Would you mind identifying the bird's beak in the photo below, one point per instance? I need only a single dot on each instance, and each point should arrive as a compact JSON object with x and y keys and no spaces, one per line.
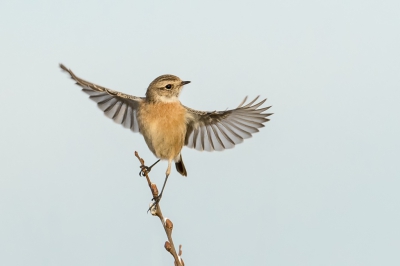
{"x":185,"y":82}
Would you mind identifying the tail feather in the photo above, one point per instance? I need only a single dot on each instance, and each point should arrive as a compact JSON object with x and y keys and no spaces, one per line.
{"x":180,"y":167}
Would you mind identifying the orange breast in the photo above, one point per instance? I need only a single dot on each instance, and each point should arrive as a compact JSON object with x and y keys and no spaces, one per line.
{"x":163,"y":126}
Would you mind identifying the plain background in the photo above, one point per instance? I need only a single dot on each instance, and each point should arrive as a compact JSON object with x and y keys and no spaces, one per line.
{"x":319,"y":185}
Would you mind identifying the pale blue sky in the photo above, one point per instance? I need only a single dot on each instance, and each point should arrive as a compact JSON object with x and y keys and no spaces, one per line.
{"x":319,"y":185}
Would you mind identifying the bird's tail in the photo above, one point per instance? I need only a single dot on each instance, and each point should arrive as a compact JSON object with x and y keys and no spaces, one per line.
{"x":180,"y":167}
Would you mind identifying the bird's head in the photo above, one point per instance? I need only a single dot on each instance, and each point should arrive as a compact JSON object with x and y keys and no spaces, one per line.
{"x":165,"y":88}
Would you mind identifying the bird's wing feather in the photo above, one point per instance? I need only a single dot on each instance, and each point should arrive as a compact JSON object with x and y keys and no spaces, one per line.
{"x":120,"y":107}
{"x":221,"y":130}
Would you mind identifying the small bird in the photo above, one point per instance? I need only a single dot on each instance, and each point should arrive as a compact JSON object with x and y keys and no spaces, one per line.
{"x":167,"y":125}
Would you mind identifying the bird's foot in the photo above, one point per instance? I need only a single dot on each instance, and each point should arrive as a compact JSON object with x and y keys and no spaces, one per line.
{"x":144,"y":168}
{"x":155,"y":203}
{"x":147,"y":168}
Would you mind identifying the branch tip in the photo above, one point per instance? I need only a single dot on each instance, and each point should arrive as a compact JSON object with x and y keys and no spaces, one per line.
{"x":180,"y":250}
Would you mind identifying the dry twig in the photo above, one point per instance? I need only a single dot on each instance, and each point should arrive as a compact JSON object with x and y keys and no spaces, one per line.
{"x":167,"y":224}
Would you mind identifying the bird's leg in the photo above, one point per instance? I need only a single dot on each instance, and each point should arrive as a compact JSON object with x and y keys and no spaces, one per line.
{"x":148,"y":169}
{"x":158,"y":198}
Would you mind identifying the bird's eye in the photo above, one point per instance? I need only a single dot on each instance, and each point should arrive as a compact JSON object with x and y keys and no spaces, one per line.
{"x":168,"y":87}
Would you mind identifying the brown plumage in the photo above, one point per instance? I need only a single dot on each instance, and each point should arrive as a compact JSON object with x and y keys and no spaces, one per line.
{"x":167,"y":125}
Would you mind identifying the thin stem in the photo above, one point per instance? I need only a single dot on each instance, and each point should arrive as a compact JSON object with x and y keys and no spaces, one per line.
{"x":167,"y":224}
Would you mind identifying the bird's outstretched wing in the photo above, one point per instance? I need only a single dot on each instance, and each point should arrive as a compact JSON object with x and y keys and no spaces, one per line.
{"x":221,"y":130}
{"x":120,"y":107}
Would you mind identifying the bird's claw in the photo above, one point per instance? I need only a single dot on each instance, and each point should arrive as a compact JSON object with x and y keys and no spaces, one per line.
{"x":155,"y":203}
{"x":144,"y":168}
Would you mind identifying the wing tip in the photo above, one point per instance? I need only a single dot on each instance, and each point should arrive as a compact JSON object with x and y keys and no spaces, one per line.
{"x":63,"y":67}
{"x":244,"y":100}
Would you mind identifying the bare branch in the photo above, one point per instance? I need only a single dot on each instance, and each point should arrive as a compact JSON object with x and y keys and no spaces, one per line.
{"x":167,"y":223}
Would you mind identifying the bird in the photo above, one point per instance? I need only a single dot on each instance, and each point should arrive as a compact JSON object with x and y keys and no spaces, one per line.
{"x":167,"y":125}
